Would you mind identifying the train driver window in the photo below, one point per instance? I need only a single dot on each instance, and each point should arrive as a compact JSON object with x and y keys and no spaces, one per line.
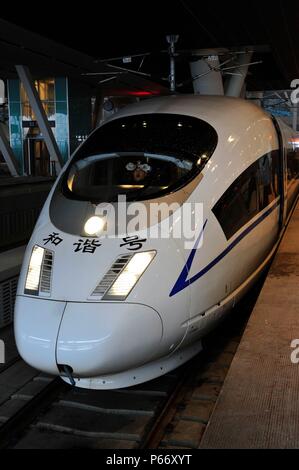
{"x":141,"y":157}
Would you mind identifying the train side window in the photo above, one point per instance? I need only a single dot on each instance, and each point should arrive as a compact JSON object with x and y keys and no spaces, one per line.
{"x":239,"y":203}
{"x":268,"y":178}
{"x":275,"y":169}
{"x":293,"y":162}
{"x":250,"y":193}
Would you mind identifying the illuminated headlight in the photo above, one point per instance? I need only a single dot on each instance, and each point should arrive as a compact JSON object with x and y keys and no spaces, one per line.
{"x":94,"y":225}
{"x":39,"y":271}
{"x":129,"y":276}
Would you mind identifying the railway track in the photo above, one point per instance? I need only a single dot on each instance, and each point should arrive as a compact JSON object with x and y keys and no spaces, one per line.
{"x":37,"y":411}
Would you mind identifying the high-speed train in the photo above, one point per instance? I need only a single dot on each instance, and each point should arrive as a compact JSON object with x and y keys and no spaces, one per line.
{"x":107,"y":312}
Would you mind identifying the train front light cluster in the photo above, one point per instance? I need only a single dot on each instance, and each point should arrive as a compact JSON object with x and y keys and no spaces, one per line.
{"x":130,"y":273}
{"x":127,"y":279}
{"x":39,"y":272}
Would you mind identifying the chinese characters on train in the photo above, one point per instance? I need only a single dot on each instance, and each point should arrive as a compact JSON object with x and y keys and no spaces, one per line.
{"x":53,"y":238}
{"x":87,"y":246}
{"x":131,"y":243}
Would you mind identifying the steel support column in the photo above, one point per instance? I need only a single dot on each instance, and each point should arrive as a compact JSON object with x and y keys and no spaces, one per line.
{"x":294,"y":117}
{"x":8,"y":154}
{"x":236,"y":82}
{"x":209,"y":81}
{"x":2,"y":92}
{"x":41,"y":117}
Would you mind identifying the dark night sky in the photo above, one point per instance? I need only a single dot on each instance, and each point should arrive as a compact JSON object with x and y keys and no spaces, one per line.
{"x":136,"y":25}
{"x":103,"y":29}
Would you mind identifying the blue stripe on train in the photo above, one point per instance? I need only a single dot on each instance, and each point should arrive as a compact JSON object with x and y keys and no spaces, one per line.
{"x":182,"y":281}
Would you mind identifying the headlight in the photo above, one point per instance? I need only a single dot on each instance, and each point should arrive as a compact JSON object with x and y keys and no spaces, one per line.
{"x":123,"y":275}
{"x":94,"y":225}
{"x":39,"y":271}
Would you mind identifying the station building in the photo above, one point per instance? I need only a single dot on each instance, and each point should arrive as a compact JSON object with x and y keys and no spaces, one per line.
{"x":68,"y":107}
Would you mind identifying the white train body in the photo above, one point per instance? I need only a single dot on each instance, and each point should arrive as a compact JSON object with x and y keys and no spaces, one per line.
{"x":182,"y":294}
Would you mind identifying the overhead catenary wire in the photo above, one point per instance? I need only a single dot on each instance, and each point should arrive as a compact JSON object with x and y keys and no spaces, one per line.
{"x":219,"y":69}
{"x":195,"y":17}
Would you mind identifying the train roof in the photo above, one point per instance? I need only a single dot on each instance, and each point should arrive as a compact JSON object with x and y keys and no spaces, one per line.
{"x":219,"y":111}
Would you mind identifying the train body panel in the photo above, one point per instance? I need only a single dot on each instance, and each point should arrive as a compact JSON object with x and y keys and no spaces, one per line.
{"x":89,"y":333}
{"x":242,"y":175}
{"x":36,"y":339}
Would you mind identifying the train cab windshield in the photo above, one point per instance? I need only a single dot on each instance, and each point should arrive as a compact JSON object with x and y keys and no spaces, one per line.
{"x":141,"y":157}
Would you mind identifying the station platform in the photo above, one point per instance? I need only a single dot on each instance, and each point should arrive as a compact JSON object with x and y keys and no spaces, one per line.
{"x":21,"y":200}
{"x":259,"y":403}
{"x":10,"y":262}
{"x":10,"y":266}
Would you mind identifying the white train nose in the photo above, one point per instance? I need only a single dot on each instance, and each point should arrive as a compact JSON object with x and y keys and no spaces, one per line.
{"x":36,"y":325}
{"x":104,"y":338}
{"x":92,"y":338}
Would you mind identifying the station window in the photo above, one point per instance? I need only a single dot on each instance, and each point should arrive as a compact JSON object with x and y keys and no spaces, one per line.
{"x":45,"y":89}
{"x":251,"y":192}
